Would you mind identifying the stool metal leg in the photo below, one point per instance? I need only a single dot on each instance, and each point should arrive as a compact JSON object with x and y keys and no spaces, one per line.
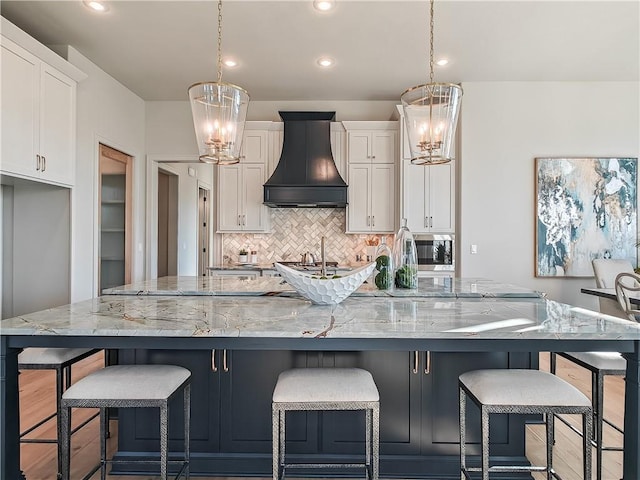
{"x":485,"y":442}
{"x":275,"y":436}
{"x":549,"y":425}
{"x":164,"y":447}
{"x":376,"y":441}
{"x":187,"y":429}
{"x":103,"y":443}
{"x":283,"y":442}
{"x":61,"y":424}
{"x":368,"y":435}
{"x":598,"y":420}
{"x":587,"y":426}
{"x":463,"y":434}
{"x":65,"y":435}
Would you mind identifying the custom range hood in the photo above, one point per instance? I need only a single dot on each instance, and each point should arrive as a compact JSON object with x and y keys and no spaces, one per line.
{"x":306,"y":175}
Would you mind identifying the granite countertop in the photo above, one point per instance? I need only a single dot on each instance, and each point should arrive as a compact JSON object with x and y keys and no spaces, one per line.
{"x":375,"y":318}
{"x":232,"y":286}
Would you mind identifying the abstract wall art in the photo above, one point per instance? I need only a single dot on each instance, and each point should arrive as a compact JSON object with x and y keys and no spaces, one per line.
{"x":586,"y":208}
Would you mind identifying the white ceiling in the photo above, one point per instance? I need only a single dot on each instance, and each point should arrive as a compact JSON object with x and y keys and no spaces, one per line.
{"x":158,"y":48}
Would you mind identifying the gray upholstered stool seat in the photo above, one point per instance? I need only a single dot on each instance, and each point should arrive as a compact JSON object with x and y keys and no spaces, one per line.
{"x":610,"y":363}
{"x":60,"y":360}
{"x":521,"y":391}
{"x":130,"y":386}
{"x":326,"y":389}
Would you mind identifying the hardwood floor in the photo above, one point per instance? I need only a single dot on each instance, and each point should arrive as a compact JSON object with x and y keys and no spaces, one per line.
{"x":37,"y":394}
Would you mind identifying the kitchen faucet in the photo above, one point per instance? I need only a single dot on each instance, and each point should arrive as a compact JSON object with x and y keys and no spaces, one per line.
{"x":323,"y":265}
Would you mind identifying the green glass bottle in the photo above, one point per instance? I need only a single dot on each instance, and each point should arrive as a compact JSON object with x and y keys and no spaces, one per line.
{"x":384,"y":272}
{"x":406,"y":258}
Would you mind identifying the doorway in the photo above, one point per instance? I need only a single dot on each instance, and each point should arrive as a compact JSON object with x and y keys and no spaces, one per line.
{"x":203,"y":231}
{"x":167,"y":223}
{"x":115,"y":199}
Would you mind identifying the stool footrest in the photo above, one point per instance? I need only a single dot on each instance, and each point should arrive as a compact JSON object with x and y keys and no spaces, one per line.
{"x":323,"y":465}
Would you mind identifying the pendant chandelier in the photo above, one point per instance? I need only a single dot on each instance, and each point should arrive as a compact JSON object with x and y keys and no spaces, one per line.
{"x":219,"y":112}
{"x":430,"y":115}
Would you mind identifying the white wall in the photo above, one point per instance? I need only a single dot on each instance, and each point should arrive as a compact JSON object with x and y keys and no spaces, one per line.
{"x":504,"y":126}
{"x":170,"y":126}
{"x":111,"y":114}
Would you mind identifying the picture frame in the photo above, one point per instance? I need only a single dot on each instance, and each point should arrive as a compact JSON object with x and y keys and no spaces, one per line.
{"x":585,"y":208}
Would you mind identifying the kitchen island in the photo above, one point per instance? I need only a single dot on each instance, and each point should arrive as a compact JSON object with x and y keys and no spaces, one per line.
{"x":243,"y":341}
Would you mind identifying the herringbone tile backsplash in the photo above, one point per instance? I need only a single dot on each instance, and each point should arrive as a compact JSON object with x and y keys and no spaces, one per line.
{"x":295,"y":231}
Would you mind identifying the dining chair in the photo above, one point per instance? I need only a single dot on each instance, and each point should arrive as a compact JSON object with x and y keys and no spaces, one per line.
{"x":628,"y":286}
{"x":601,"y":364}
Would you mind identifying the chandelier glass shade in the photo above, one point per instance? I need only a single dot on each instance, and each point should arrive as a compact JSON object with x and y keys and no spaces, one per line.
{"x":219,"y":113}
{"x":431,"y":115}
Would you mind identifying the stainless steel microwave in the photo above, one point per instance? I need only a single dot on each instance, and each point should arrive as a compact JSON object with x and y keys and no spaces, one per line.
{"x":435,"y":252}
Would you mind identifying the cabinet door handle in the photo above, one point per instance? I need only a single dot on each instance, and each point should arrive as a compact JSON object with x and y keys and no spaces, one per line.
{"x":373,"y":220}
{"x":427,"y":368}
{"x":431,"y":222}
{"x":373,"y":157}
{"x":426,"y":222}
{"x":244,"y":219}
{"x":225,"y":366}
{"x":368,"y":221}
{"x":214,"y":367}
{"x":44,"y":163}
{"x":38,"y":163}
{"x":416,"y":362}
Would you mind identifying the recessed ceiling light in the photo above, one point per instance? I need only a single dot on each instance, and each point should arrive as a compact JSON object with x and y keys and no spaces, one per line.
{"x":325,"y":62}
{"x":230,"y":63}
{"x":442,"y":62}
{"x":96,"y":6}
{"x":323,"y":5}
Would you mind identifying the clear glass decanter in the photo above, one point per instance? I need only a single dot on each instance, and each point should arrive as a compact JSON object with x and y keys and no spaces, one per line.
{"x":406,"y":258}
{"x":384,"y":272}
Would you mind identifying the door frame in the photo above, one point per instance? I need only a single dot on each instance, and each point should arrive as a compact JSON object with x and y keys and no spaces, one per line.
{"x":95,"y":258}
{"x":155,"y":162}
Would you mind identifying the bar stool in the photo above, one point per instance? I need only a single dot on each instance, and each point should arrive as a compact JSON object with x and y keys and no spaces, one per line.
{"x":129,"y":386}
{"x":326,"y":389}
{"x":60,"y":360}
{"x":522,"y":392}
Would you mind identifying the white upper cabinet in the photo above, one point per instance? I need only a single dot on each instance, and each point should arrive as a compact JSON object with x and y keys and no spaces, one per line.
{"x":240,"y":186}
{"x":255,"y":147}
{"x":372,"y":146}
{"x":39,"y":116}
{"x":428,"y":197}
{"x":371,"y":157}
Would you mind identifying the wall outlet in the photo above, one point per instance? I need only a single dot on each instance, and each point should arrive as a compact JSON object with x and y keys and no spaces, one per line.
{"x":474,"y":249}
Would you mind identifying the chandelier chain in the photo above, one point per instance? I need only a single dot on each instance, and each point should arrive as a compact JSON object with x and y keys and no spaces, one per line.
{"x":219,"y":65}
{"x":431,"y":42}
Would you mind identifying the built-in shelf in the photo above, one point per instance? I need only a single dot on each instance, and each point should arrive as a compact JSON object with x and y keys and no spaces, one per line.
{"x":112,"y":230}
{"x":113,"y":202}
{"x":112,"y":259}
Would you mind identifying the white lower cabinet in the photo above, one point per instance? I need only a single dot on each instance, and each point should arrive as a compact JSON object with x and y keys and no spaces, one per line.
{"x":240,"y":197}
{"x":371,"y":205}
{"x":428,"y":197}
{"x":39,"y":109}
